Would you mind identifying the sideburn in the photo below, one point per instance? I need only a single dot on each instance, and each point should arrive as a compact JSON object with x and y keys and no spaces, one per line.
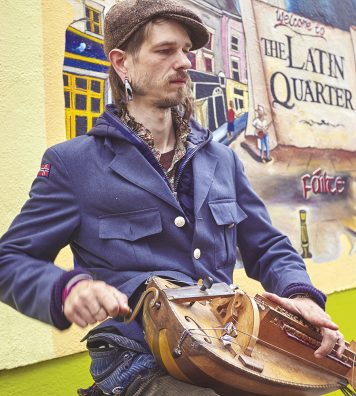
{"x":117,"y":86}
{"x":118,"y":94}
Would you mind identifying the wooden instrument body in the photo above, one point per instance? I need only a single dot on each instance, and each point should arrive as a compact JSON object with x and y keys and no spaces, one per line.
{"x":269,"y":353}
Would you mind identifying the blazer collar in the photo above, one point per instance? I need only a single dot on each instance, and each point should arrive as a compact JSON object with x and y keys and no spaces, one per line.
{"x":147,"y":177}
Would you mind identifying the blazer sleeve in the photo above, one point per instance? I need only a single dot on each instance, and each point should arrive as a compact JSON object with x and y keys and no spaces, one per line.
{"x":268,"y":255}
{"x":46,"y":223}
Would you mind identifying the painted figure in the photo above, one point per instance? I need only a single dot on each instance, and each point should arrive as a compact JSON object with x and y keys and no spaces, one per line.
{"x":231,"y":115}
{"x":261,"y":131}
{"x":146,"y":191}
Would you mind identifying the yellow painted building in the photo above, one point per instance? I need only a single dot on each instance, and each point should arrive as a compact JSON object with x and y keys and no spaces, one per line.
{"x":238,"y":93}
{"x":33,"y":110}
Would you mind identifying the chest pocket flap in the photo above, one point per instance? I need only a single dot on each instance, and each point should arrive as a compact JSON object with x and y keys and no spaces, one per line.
{"x":227,"y":212}
{"x":130,"y":226}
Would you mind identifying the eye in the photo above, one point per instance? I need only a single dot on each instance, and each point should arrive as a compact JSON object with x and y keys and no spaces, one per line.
{"x":165,"y":51}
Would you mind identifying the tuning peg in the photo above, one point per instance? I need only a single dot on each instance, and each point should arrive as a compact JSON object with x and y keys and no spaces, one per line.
{"x":207,"y":282}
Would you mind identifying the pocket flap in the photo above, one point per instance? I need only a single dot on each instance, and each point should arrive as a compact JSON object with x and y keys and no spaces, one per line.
{"x":130,"y":225}
{"x":227,"y":212}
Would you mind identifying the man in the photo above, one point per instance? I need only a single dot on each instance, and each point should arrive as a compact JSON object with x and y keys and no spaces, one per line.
{"x":261,"y":131}
{"x":145,"y":192}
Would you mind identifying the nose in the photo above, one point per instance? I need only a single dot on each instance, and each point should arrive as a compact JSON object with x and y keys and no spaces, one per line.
{"x":183,"y":61}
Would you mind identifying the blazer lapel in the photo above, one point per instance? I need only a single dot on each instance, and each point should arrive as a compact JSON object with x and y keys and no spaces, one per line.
{"x":133,"y":166}
{"x":204,"y":165}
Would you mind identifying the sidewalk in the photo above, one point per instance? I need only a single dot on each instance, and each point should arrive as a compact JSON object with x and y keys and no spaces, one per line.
{"x":294,"y":160}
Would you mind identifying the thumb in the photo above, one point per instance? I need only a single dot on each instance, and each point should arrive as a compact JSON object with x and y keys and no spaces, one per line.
{"x":285,"y":303}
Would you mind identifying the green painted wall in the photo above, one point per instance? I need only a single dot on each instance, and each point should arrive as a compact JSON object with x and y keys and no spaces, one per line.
{"x":61,"y":377}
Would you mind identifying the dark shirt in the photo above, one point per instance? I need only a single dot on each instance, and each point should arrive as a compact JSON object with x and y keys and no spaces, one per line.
{"x":166,"y":159}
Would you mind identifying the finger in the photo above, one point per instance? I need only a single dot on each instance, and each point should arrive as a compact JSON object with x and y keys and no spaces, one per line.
{"x":122,"y":300}
{"x":84,"y":313}
{"x":101,"y":315}
{"x":321,"y":320}
{"x":305,"y":307}
{"x":328,"y":342}
{"x":315,"y":314}
{"x":283,"y":302}
{"x":110,"y":303}
{"x":79,"y":321}
{"x":84,"y":306}
{"x":341,"y":346}
{"x":92,"y":305}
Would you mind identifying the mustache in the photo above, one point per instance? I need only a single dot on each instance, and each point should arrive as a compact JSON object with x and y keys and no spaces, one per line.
{"x":180,"y":75}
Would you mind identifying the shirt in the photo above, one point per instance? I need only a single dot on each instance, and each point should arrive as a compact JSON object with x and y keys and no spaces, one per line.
{"x":181,"y":129}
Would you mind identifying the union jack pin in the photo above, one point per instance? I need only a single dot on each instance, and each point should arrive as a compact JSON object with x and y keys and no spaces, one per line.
{"x":44,"y":171}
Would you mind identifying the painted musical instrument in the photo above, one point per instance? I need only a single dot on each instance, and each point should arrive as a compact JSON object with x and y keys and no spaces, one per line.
{"x":261,"y":132}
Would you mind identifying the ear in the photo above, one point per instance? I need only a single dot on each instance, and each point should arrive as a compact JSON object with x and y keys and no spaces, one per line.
{"x":117,"y":58}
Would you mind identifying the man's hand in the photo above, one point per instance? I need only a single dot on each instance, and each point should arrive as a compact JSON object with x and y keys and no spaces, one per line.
{"x":311,"y":312}
{"x":93,"y":301}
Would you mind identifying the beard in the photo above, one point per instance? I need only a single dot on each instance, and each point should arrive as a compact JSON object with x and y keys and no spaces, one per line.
{"x":144,"y":85}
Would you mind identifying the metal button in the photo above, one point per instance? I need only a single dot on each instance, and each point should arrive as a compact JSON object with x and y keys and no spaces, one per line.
{"x":231,"y":225}
{"x":179,"y":221}
{"x":197,"y":254}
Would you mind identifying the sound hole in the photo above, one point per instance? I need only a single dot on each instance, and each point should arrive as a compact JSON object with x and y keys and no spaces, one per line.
{"x":205,"y":336}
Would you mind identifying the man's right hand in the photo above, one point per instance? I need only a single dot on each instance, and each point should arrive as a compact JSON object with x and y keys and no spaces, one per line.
{"x":93,"y":301}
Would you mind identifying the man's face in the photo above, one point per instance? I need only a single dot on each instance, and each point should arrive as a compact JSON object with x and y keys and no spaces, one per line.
{"x":158,"y":73}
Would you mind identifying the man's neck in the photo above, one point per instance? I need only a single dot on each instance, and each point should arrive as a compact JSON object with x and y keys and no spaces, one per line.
{"x":158,"y":121}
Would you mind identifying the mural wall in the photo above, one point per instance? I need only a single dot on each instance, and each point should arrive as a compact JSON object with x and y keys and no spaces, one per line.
{"x":278,"y":89}
{"x":276,"y":82}
{"x":305,"y":117}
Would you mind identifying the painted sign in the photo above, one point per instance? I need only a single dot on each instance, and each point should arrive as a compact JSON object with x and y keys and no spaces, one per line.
{"x":309,"y":70}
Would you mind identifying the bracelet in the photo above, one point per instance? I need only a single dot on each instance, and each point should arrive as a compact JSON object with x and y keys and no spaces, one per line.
{"x":72,"y":282}
{"x":301,"y":295}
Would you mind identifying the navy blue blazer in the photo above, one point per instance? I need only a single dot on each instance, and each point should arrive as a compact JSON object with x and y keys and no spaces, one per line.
{"x":106,"y":199}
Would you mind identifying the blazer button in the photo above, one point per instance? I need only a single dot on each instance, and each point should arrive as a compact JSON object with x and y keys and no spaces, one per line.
{"x":231,"y":225}
{"x":179,"y":221}
{"x":197,"y":254}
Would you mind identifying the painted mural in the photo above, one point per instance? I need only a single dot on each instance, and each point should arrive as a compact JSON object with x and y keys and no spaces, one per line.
{"x":276,"y":82}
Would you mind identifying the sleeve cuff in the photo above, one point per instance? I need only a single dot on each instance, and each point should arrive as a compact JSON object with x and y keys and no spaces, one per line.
{"x":304,"y":288}
{"x":60,"y":291}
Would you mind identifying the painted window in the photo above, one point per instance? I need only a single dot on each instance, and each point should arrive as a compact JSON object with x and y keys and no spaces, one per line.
{"x":235,"y":70}
{"x":208,"y":64}
{"x":84,"y":102}
{"x":234,"y":43}
{"x":94,"y":24}
{"x":208,"y":52}
{"x":238,"y":99}
{"x":192,"y":56}
{"x":209,"y":44}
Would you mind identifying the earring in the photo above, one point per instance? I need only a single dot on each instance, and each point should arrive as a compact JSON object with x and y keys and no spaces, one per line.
{"x":128,"y":90}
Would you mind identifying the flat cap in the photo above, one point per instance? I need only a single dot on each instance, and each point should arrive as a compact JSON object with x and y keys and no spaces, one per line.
{"x":127,"y":16}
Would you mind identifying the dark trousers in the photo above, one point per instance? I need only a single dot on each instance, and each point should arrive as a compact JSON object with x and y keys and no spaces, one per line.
{"x":159,"y":383}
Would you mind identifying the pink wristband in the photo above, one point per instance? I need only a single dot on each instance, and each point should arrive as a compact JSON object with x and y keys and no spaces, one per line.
{"x":69,"y":286}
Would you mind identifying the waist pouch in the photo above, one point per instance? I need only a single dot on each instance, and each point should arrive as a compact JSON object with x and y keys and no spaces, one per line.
{"x":116,"y":360}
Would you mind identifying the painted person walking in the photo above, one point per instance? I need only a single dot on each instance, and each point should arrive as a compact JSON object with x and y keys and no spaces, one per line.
{"x":231,"y":115}
{"x":261,"y":126}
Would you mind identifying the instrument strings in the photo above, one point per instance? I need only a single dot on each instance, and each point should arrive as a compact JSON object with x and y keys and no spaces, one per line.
{"x":347,"y":392}
{"x":353,"y":374}
{"x":190,"y":331}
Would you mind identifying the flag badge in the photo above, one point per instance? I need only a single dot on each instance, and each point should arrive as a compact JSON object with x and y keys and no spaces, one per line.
{"x":44,"y":171}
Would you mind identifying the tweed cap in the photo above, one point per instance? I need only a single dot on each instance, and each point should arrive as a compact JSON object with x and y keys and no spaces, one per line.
{"x":127,"y":16}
